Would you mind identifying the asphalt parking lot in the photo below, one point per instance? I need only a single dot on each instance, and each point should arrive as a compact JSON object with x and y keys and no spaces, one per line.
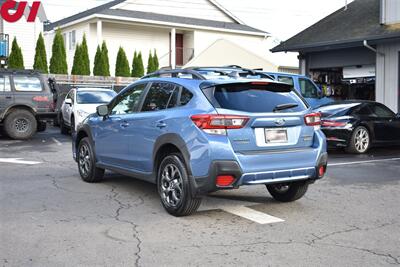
{"x":49,"y":217}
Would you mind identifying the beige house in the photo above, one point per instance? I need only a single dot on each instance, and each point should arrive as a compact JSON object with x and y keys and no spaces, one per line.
{"x":181,"y":32}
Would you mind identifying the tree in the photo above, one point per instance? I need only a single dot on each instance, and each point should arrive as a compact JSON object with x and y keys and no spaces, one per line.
{"x":77,"y":67}
{"x":85,"y":68}
{"x":40,"y":62}
{"x":150,"y":64}
{"x":140,"y":69}
{"x":98,"y":69}
{"x":134,"y":65}
{"x":58,"y":61}
{"x":16,"y":60}
{"x":105,"y":59}
{"x":156,"y":64}
{"x":122,"y":64}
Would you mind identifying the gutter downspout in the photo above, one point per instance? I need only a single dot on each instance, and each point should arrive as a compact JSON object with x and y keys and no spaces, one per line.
{"x":365,"y":43}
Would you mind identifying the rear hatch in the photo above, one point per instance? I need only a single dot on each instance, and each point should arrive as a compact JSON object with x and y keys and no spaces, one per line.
{"x":274,"y":116}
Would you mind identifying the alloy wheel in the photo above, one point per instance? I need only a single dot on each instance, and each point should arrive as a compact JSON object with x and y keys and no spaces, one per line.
{"x":84,"y":160}
{"x":21,"y":125}
{"x":171,"y":185}
{"x":361,"y":140}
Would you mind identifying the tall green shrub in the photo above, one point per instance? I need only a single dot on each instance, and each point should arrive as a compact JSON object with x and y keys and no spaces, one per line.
{"x":40,"y":62}
{"x":156,"y":64}
{"x":85,"y":57}
{"x":15,"y":60}
{"x":58,"y":61}
{"x":98,"y":66}
{"x":150,"y":64}
{"x":122,"y":64}
{"x":140,"y":68}
{"x":77,"y":67}
{"x":134,"y":65}
{"x":105,"y":59}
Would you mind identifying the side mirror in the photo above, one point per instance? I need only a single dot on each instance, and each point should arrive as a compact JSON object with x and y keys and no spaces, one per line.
{"x":102,"y":110}
{"x":398,"y":115}
{"x":68,"y":101}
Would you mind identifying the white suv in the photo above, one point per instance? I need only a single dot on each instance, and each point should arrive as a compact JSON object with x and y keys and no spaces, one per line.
{"x":80,"y":103}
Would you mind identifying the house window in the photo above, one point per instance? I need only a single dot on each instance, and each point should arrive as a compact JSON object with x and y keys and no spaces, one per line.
{"x":72,"y":40}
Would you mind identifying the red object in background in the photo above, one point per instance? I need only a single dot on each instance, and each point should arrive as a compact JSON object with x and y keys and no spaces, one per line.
{"x":11,"y":4}
{"x":179,"y":49}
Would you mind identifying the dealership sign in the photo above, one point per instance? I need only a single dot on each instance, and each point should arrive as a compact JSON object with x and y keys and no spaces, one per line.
{"x":12,"y":11}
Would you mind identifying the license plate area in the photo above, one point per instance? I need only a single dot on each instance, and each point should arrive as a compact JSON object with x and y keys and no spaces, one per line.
{"x":276,"y":136}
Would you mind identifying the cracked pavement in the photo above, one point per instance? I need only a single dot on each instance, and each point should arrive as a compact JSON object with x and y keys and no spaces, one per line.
{"x":49,"y":217}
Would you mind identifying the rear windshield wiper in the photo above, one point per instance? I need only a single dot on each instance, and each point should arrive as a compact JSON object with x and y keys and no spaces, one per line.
{"x":284,"y":106}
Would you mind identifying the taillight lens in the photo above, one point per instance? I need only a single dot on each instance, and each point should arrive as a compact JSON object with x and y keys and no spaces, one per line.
{"x":313,"y":119}
{"x":224,"y":180}
{"x":218,"y":124}
{"x":327,"y":123}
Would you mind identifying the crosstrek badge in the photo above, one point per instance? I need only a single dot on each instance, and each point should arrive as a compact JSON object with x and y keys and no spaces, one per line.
{"x":12,"y":11}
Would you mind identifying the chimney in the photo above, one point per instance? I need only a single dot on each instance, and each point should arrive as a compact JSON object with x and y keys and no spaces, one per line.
{"x":390,"y":11}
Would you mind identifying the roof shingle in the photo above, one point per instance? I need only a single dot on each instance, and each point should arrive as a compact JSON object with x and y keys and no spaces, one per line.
{"x":361,"y":21}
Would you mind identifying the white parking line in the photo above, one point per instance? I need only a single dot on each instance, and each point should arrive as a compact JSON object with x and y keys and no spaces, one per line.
{"x":361,"y":162}
{"x":56,"y":141}
{"x":18,"y":161}
{"x":252,"y":215}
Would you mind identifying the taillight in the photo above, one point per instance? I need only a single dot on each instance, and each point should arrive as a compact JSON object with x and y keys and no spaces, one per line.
{"x":321,"y":171}
{"x":313,"y":119}
{"x":218,"y":124}
{"x":327,"y":123}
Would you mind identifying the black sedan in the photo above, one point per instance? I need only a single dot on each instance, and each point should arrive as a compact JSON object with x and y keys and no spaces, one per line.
{"x":359,"y":125}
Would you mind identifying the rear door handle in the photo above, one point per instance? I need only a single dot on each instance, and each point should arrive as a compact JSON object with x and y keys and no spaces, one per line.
{"x":161,"y":125}
{"x":8,"y":97}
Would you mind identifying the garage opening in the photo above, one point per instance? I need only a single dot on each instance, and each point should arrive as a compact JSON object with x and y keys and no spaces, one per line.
{"x":345,"y":83}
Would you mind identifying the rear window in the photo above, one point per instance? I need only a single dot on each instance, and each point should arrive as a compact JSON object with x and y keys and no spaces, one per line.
{"x":258,"y":98}
{"x":94,"y":97}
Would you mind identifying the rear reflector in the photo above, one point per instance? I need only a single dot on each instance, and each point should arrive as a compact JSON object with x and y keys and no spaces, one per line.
{"x":225,"y":180}
{"x":40,"y":99}
{"x":327,"y":123}
{"x":313,"y":119}
{"x":321,"y":171}
{"x":208,"y":121}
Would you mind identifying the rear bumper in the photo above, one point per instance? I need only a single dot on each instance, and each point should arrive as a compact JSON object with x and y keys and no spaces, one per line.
{"x":204,"y":185}
{"x":337,"y":137}
{"x":46,"y":115}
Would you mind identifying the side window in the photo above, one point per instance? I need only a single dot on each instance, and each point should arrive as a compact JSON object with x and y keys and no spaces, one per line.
{"x":285,"y":79}
{"x":382,"y":111}
{"x":27,"y":84}
{"x":364,"y":111}
{"x":128,"y":102}
{"x":159,"y":97}
{"x":70,"y":96}
{"x":186,"y":96}
{"x":307,"y":88}
{"x":5,"y":85}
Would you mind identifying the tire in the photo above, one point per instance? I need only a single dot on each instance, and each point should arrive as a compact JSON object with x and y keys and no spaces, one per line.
{"x":87,"y":163}
{"x":63,"y":128}
{"x":288,"y":192}
{"x":42,"y":126}
{"x":175,"y":194}
{"x":20,"y":124}
{"x":360,"y":141}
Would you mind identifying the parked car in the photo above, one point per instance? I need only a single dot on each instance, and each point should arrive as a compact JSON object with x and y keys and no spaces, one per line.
{"x":80,"y":103}
{"x":305,"y":86}
{"x":195,"y":136}
{"x":359,"y":125}
{"x":26,"y":103}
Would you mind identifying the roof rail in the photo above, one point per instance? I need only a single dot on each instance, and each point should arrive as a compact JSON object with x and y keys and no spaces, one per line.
{"x":174,"y":73}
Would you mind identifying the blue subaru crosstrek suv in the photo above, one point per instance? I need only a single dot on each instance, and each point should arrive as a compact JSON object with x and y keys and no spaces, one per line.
{"x":191,"y":135}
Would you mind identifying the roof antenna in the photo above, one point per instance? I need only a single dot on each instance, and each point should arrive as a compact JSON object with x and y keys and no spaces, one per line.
{"x":345,"y":7}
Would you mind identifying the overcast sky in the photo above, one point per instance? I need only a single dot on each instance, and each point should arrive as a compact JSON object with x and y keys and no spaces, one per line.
{"x":281,"y":18}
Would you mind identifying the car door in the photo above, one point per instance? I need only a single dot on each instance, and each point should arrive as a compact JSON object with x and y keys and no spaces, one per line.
{"x":386,"y":124}
{"x":67,"y":107}
{"x":6,"y":94}
{"x":115,"y":132}
{"x":151,"y":122}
